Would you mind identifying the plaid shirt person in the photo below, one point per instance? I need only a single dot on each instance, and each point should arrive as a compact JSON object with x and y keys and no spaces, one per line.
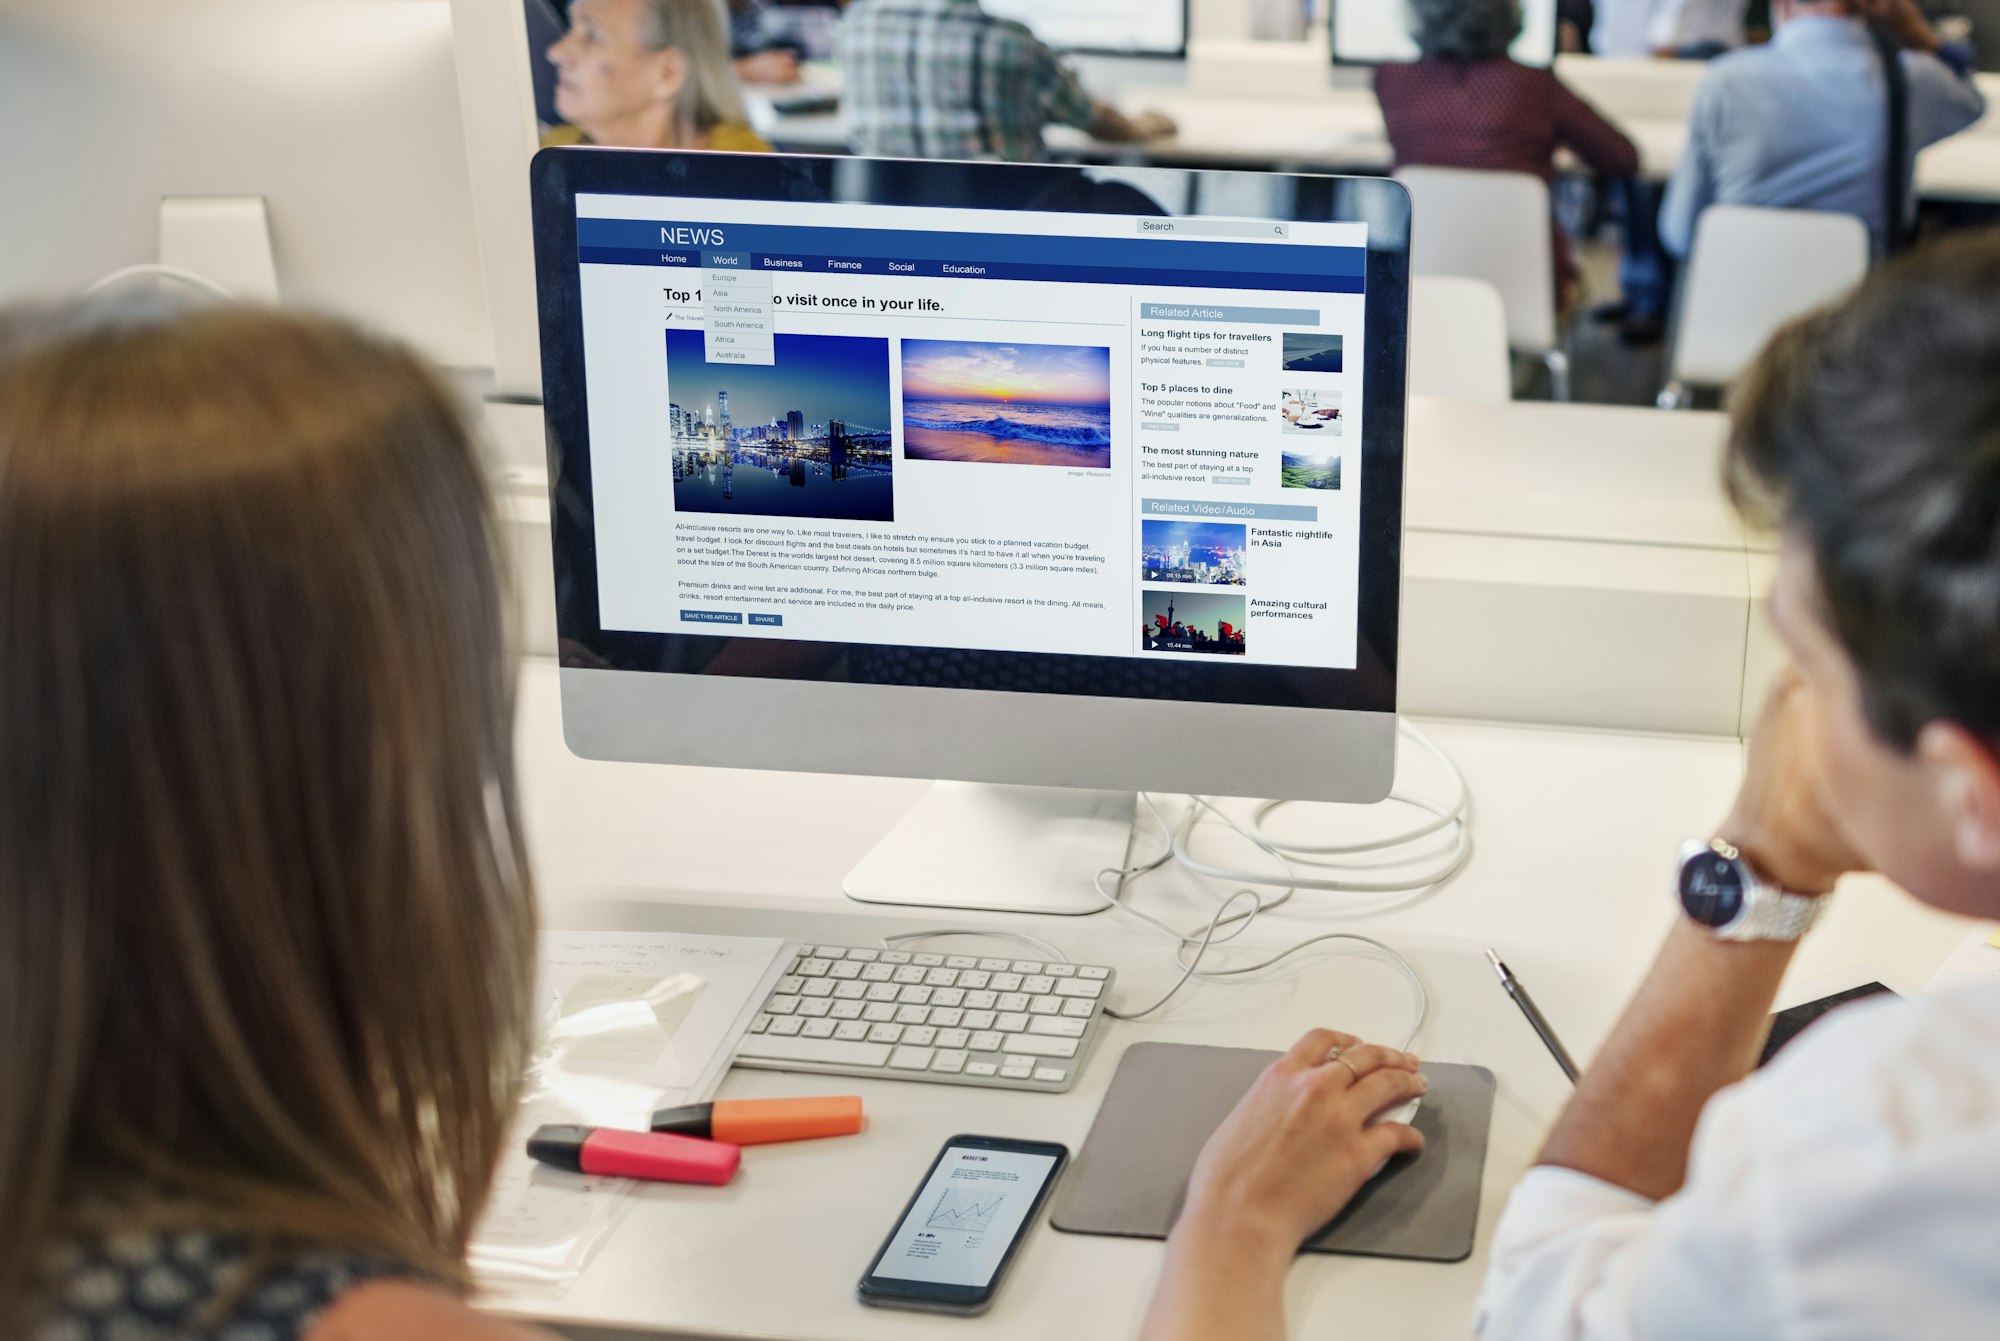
{"x":945,"y":79}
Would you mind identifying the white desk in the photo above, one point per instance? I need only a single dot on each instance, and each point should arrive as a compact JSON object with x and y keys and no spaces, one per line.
{"x":1575,"y":834}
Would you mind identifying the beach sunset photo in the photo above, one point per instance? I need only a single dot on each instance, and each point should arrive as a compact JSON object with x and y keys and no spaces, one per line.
{"x":1016,"y":404}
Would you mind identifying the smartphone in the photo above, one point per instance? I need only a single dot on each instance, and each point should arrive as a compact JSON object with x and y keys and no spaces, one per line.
{"x":1787,"y":1025}
{"x":952,"y":1243}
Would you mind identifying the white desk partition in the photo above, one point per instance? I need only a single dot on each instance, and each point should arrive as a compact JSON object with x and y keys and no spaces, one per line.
{"x":1574,"y":837}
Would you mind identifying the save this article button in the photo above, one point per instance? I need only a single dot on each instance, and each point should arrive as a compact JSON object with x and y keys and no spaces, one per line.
{"x":711,"y":617}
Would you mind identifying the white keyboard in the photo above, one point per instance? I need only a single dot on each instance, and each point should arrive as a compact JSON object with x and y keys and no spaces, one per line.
{"x":1016,"y":1024}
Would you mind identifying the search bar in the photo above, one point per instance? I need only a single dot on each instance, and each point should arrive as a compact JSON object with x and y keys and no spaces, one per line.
{"x":1272,"y":230}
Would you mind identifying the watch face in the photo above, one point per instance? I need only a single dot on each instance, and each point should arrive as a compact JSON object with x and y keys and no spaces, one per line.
{"x":1712,"y":889}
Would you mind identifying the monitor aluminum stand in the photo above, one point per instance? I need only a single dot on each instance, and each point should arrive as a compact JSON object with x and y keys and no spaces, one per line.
{"x":1000,"y":848}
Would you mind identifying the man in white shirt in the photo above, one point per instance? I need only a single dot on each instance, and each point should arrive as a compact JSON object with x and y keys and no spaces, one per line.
{"x":1851,"y":1191}
{"x":1694,"y":28}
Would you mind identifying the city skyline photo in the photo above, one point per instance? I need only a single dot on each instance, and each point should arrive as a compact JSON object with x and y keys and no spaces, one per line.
{"x":1193,"y":552}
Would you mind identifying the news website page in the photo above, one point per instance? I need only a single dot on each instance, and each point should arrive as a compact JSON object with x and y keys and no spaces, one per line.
{"x":1103,"y":435}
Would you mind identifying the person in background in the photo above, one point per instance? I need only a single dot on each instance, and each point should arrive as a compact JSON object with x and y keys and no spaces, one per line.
{"x":755,"y":59}
{"x":1669,"y":29}
{"x":649,"y":74}
{"x":1465,"y":103}
{"x":945,"y":79}
{"x":1851,"y":1190}
{"x":267,"y":932}
{"x":1802,"y":123}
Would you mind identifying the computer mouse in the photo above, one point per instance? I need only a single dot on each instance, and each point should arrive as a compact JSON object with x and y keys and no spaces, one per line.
{"x":1402,"y":1112}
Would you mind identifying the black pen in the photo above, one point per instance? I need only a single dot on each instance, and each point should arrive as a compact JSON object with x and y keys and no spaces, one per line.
{"x":1540,"y":1025}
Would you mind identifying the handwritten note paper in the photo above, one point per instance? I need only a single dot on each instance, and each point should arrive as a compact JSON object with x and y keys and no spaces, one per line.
{"x":630,"y":1022}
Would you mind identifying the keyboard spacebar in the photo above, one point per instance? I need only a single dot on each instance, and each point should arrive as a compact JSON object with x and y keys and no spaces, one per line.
{"x":832,"y":1051}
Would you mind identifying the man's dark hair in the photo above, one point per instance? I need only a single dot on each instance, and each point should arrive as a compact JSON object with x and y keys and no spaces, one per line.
{"x":1464,"y":30}
{"x":1871,"y":432}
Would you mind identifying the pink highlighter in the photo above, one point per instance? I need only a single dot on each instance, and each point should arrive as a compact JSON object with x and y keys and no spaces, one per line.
{"x":655,"y":1156}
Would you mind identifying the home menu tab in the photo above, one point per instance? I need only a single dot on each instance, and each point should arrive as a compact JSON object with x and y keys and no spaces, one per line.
{"x":1105,"y":435}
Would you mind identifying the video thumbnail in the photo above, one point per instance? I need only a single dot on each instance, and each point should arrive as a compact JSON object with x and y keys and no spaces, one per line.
{"x":1207,"y":623}
{"x":804,"y":436}
{"x":1208,"y":554}
{"x":1029,"y":405}
{"x":1309,"y":351}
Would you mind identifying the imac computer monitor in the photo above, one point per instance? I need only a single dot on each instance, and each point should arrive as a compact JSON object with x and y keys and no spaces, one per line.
{"x":1004,"y":474}
{"x":1377,"y":32}
{"x":318,"y":145}
{"x":1104,"y":28}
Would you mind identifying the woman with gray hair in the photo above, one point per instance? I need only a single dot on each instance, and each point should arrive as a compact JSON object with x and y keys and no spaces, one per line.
{"x":1465,"y":103}
{"x":649,"y":74}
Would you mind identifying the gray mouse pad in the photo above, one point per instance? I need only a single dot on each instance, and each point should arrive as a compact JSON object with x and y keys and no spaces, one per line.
{"x":1168,"y":1098}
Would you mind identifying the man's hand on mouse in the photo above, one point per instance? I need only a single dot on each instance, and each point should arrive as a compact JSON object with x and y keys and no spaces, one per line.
{"x":1300,"y":1144}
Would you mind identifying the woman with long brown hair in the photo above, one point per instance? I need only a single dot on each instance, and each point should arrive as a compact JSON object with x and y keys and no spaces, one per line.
{"x":266,"y":932}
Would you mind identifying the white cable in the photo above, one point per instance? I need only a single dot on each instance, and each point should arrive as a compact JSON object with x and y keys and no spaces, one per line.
{"x":192,"y":278}
{"x":1451,"y":817}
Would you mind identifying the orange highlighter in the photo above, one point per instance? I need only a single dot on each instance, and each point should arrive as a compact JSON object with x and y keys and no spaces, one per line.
{"x":761,"y":1121}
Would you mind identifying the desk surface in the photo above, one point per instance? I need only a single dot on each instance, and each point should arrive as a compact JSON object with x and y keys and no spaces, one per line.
{"x":1575,"y":834}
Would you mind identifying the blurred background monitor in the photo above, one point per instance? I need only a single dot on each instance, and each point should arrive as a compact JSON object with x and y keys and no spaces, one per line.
{"x":1103,"y":27}
{"x":1377,"y":32}
{"x":194,"y":130}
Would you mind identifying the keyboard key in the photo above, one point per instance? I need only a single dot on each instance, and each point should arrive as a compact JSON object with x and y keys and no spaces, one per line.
{"x":945,"y":1017}
{"x":986,"y":1041}
{"x":830,"y":1051}
{"x":947,"y":996}
{"x":1005,"y":982}
{"x":1079,"y":987}
{"x":993,"y":965}
{"x":954,"y":1038}
{"x":1035,"y":986}
{"x":851,"y":1010}
{"x":1027,"y":966}
{"x":1034,"y":1045}
{"x":912,"y":1014}
{"x":885,"y":1033}
{"x":979,"y":1019}
{"x":948,"y":1062}
{"x":895,"y":956}
{"x":818,"y":1029}
{"x":850,"y":991}
{"x":914,"y":996}
{"x":814,"y":1008}
{"x":782,"y":1005}
{"x":973,"y":978}
{"x":831,"y":952}
{"x":1011,"y":1060}
{"x":813,"y":968}
{"x":1093,"y":971}
{"x":882,"y":991}
{"x":1057,"y":1028}
{"x":1017,"y":1072}
{"x":1062,"y":970}
{"x":877,"y":973}
{"x":1014,"y":1001}
{"x":930,"y":961}
{"x":879,"y":1012}
{"x":921,"y":1037}
{"x":785,"y":1026}
{"x":982,"y":1000}
{"x":819,"y":987}
{"x":982,"y":1069}
{"x":854,"y":1031}
{"x":911,"y":1059}
{"x":1051,"y":1075}
{"x":1080,"y":1010}
{"x":941,"y":977}
{"x":909,"y":973}
{"x":789,"y":984}
{"x":867,"y":955}
{"x":960,"y":962}
{"x":760,"y":1024}
{"x":1045,"y":1005}
{"x":846,"y":970}
{"x":1010,"y":1022}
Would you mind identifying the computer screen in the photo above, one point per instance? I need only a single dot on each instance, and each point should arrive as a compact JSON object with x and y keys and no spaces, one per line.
{"x":1377,"y":32}
{"x":1113,"y":27}
{"x":1086,"y":456}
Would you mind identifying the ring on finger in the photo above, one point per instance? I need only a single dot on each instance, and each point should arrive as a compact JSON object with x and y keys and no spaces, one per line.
{"x":1333,"y":1055}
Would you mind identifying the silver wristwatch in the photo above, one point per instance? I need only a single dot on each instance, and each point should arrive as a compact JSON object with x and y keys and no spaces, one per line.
{"x":1719,"y":891}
